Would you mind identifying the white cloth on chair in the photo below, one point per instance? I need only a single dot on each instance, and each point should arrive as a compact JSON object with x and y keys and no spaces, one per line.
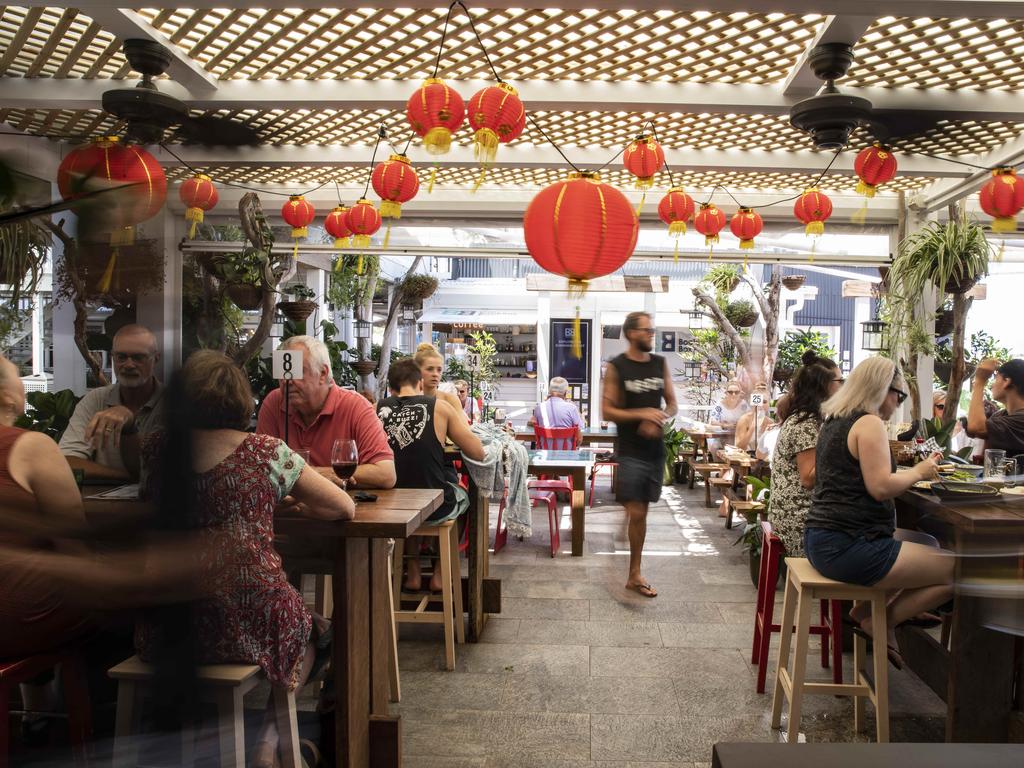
{"x":505,"y":463}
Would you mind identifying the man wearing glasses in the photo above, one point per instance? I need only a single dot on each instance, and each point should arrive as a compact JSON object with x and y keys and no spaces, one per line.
{"x":636,"y":384}
{"x":92,"y":441}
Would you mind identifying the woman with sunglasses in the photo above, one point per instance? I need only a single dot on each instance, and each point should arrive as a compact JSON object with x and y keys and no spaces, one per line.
{"x":849,"y":528}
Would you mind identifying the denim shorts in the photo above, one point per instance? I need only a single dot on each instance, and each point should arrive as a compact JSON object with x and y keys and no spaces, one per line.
{"x":638,"y":480}
{"x":850,"y":559}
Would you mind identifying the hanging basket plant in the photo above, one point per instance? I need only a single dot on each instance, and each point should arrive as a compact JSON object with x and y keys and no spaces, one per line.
{"x":794,"y":282}
{"x":301,"y":306}
{"x":364,"y":367}
{"x":951,"y":256}
{"x":742,"y":313}
{"x":245,"y":296}
{"x":416,"y":288}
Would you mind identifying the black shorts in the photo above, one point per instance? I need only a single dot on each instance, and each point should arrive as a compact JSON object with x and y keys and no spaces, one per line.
{"x":638,"y":479}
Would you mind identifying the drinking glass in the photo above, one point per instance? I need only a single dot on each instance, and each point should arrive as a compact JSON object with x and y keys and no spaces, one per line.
{"x":344,"y":460}
{"x":995,"y":464}
{"x":304,"y":453}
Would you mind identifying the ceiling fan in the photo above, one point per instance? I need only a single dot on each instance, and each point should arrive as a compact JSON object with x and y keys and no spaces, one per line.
{"x":150,"y":113}
{"x":831,"y":116}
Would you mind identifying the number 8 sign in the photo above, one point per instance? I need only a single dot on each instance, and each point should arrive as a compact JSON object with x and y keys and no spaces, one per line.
{"x":287,"y":364}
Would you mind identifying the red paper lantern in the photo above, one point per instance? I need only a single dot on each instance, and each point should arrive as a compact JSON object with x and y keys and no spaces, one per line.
{"x":298,"y":214}
{"x":580,"y":228}
{"x":396,"y":182}
{"x":746,"y":224}
{"x":435,"y":112}
{"x":675,"y":209}
{"x":813,"y":208}
{"x":497,"y":116}
{"x":336,"y":226}
{"x":1002,"y":198}
{"x":199,"y":195}
{"x":362,"y":220}
{"x":709,"y":221}
{"x":874,"y":166}
{"x":643,"y":158}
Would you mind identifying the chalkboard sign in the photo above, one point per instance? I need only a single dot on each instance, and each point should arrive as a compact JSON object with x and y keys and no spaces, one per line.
{"x":563,"y":363}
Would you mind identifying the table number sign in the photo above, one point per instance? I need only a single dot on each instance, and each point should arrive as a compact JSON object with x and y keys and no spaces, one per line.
{"x":287,"y":364}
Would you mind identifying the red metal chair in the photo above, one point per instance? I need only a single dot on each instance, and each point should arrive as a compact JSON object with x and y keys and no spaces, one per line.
{"x":593,"y":476}
{"x":830,"y":627}
{"x":554,"y":520}
{"x":555,"y":439}
{"x":76,"y":694}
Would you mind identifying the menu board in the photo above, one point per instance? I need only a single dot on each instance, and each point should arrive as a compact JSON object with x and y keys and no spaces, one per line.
{"x":563,"y":363}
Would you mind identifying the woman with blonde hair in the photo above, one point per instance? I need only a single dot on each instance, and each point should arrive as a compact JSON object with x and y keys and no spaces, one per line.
{"x":849,"y":528}
{"x":431,"y":365}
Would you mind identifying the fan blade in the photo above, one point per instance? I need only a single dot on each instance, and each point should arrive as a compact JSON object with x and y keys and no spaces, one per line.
{"x":889,"y":124}
{"x":210,"y":130}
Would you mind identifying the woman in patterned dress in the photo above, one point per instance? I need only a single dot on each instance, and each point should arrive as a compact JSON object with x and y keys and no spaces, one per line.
{"x":231,"y":482}
{"x":793,"y":462}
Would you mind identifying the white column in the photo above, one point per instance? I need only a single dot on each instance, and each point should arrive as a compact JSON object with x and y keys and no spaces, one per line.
{"x":37,"y":334}
{"x":861,"y":314}
{"x":68,"y":366}
{"x":316,"y":281}
{"x":160,"y":310}
{"x":543,"y":341}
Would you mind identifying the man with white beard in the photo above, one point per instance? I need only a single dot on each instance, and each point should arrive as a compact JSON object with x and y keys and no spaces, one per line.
{"x":106,"y":415}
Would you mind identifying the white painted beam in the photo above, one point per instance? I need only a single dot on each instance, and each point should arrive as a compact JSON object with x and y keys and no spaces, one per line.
{"x":539,"y":95}
{"x":126,"y":24}
{"x":801,"y":80}
{"x":917,"y":8}
{"x":943,"y":193}
{"x":523,"y":155}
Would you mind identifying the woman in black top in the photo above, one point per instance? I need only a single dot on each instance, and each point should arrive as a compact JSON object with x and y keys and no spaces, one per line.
{"x":849,"y":529}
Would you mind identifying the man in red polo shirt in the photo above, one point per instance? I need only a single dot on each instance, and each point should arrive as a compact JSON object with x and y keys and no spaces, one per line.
{"x":320,"y":412}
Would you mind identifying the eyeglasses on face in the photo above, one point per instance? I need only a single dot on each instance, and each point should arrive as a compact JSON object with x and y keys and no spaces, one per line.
{"x":900,"y":395}
{"x":732,"y":391}
{"x":136,"y":357}
{"x":840,"y":380}
{"x":649,"y":331}
{"x":940,"y":406}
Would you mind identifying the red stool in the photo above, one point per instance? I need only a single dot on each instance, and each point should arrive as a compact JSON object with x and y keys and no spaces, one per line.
{"x":554,"y":520}
{"x":614,"y":465}
{"x":76,"y":694}
{"x":830,"y":626}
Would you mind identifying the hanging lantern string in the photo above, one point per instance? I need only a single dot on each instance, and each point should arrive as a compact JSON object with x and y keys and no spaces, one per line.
{"x":381,"y":134}
{"x":654,"y":132}
{"x":338,"y":188}
{"x":444,"y":34}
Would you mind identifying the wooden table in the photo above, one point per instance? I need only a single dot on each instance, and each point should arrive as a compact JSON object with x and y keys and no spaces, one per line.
{"x":587,"y":436}
{"x":975,"y":676}
{"x":365,"y":733}
{"x":700,"y":438}
{"x":574,"y":464}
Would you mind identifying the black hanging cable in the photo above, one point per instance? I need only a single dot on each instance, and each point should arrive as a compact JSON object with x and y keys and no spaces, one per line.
{"x":337,"y":188}
{"x":444,"y":33}
{"x":381,"y":135}
{"x":479,"y":41}
{"x":246,"y":186}
{"x":548,"y":139}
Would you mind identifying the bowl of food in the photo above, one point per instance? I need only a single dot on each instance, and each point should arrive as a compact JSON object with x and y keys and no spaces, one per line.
{"x":964,"y":490}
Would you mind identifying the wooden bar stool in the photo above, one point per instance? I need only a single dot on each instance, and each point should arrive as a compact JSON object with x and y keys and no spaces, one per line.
{"x":706,"y":470}
{"x":223,"y":684}
{"x":450,"y":615}
{"x":829,"y":628}
{"x":804,"y":586}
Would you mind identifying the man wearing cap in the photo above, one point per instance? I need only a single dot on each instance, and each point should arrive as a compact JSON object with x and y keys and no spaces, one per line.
{"x":556,"y":412}
{"x":1004,"y":430}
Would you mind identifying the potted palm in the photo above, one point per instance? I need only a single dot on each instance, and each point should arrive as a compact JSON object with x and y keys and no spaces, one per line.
{"x":302,"y":305}
{"x":674,"y":440}
{"x":750,"y":536}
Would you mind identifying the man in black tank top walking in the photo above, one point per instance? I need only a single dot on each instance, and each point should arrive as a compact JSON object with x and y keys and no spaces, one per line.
{"x":636,"y":384}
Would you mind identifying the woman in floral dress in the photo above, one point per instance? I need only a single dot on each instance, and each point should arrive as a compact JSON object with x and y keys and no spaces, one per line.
{"x":235,"y":482}
{"x":793,"y":462}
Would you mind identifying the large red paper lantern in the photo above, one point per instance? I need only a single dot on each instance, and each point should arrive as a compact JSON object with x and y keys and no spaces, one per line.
{"x":709,"y":221}
{"x":813,"y":208}
{"x":746,"y":224}
{"x":298,"y":214}
{"x":336,"y":226}
{"x":874,"y":166}
{"x":435,"y":112}
{"x":199,"y":195}
{"x":580,"y":228}
{"x":643,"y":158}
{"x":396,"y":182}
{"x":497,"y":116}
{"x":675,"y":209}
{"x":1002,"y":198}
{"x":363,"y":220}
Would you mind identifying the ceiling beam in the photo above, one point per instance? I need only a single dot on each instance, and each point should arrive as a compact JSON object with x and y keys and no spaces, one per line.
{"x":126,"y":24}
{"x":916,"y":8}
{"x":945,"y":192}
{"x":801,"y":80}
{"x":539,"y":95}
{"x":522,"y":155}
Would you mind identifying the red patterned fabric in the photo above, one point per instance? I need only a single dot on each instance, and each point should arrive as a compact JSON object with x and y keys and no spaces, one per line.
{"x":254,"y":616}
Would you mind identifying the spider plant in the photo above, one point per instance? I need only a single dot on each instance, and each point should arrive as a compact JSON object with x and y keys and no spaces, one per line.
{"x":950,"y":256}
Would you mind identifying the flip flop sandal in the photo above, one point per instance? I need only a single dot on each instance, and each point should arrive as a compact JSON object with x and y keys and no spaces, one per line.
{"x":646,"y":590}
{"x":892,"y":653}
{"x":924,"y":620}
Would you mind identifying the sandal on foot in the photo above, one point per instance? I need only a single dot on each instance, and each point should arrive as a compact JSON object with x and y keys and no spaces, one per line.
{"x":891,"y":652}
{"x":643,"y":589}
{"x":924,"y":620}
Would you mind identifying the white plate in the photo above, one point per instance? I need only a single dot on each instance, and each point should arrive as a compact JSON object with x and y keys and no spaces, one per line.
{"x":1017,"y":492}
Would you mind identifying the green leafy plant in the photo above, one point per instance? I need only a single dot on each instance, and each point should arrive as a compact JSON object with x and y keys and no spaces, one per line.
{"x":750,"y":536}
{"x":796,"y":343}
{"x":723,"y":278}
{"x":483,"y":380}
{"x":943,"y":435}
{"x":48,"y":412}
{"x":950,"y":256}
{"x":300,"y":292}
{"x":674,"y":440}
{"x":741,"y":313}
{"x":244,"y":267}
{"x":416,"y":288}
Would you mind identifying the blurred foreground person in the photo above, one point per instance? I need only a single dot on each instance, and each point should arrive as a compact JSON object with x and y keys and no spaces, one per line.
{"x":228,"y":483}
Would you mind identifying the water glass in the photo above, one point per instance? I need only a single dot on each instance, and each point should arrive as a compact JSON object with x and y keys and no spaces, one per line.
{"x":304,"y":453}
{"x":995,"y":464}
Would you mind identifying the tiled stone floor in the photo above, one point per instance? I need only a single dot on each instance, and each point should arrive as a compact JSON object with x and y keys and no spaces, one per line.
{"x":577,"y":672}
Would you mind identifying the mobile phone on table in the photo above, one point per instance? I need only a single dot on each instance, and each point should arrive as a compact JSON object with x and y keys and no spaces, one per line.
{"x":364,"y":496}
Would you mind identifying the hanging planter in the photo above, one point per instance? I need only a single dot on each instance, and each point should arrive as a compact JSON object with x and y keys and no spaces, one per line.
{"x":301,"y":306}
{"x":742,"y":313}
{"x":364,"y":367}
{"x":944,"y":322}
{"x":245,"y":296}
{"x":794,"y":282}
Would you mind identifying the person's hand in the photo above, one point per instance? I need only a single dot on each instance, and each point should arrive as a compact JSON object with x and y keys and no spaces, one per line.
{"x":985,"y":369}
{"x":650,"y":430}
{"x":929,"y":468}
{"x":106,"y":426}
{"x":328,"y":472}
{"x":289,"y":505}
{"x":656,"y":415}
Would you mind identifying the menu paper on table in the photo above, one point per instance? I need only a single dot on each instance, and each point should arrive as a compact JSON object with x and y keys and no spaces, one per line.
{"x":130,"y":491}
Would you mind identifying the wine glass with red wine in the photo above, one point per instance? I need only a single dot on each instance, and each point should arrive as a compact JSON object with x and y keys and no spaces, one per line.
{"x":344,"y":459}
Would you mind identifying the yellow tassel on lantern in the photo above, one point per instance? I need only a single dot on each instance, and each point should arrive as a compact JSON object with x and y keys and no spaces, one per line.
{"x":342,"y":242}
{"x":861,"y":214}
{"x":122,"y":236}
{"x":644,"y":182}
{"x":389,"y":209}
{"x":675,"y":256}
{"x":387,"y":236}
{"x":339,"y":263}
{"x":108,"y":273}
{"x":868,"y":190}
{"x":433,"y":178}
{"x":1004,"y":224}
{"x":710,"y":239}
{"x":359,"y":265}
{"x":485,"y":145}
{"x":195,"y":215}
{"x":815,"y":228}
{"x":438,"y":141}
{"x":1002,"y":249}
{"x":480,"y":179}
{"x":360,"y":241}
{"x":746,"y":245}
{"x":577,"y":343}
{"x":643,"y":199}
{"x":677,"y":228}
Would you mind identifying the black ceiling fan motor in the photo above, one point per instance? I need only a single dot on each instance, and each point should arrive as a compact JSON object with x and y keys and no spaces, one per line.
{"x":830,"y":117}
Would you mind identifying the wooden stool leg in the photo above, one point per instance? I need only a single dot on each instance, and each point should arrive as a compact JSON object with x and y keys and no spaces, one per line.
{"x":707,"y":490}
{"x":287,"y":727}
{"x":445,"y":564}
{"x":125,"y":745}
{"x":323,"y":602}
{"x":771,"y":569}
{"x":859,"y":652}
{"x":459,"y":617}
{"x":825,"y":633}
{"x":836,"y":627}
{"x":395,"y":685}
{"x":803,"y":626}
{"x":881,"y":658}
{"x":231,"y":729}
{"x":786,"y":635}
{"x":396,"y":571}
